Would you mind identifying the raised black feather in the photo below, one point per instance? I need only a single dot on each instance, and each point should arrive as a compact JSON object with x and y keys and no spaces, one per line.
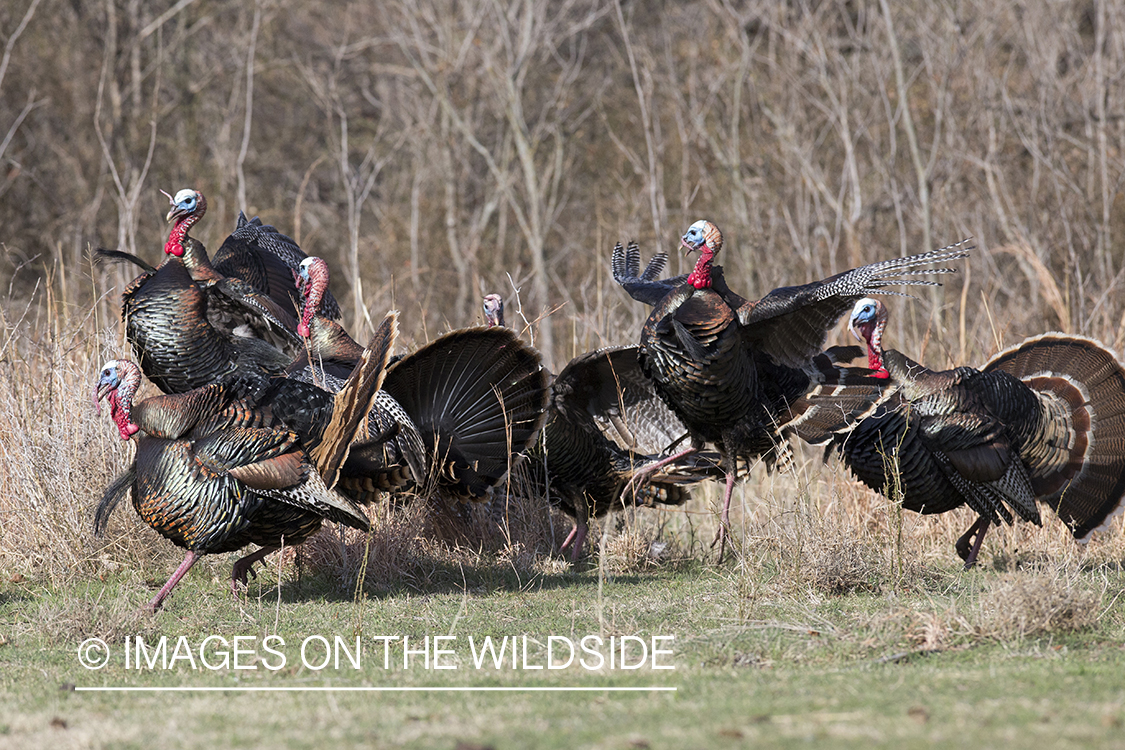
{"x":265,"y":258}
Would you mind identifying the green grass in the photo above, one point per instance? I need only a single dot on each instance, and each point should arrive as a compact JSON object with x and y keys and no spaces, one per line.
{"x":781,"y":663}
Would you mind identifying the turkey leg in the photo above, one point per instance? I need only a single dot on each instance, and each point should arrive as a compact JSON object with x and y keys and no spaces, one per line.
{"x":161,"y":595}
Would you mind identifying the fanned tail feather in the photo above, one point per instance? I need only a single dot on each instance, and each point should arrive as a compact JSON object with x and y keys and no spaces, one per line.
{"x":655,"y":265}
{"x":1077,"y":460}
{"x":897,"y":271}
{"x":478,"y":397}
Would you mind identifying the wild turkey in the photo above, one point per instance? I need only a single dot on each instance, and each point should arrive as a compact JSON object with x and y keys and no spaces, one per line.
{"x":250,"y":294}
{"x":604,"y":423}
{"x":1043,"y":421}
{"x":254,"y":253}
{"x":729,"y":368}
{"x":176,"y":324}
{"x":459,"y":411}
{"x":265,"y":258}
{"x":215,"y":471}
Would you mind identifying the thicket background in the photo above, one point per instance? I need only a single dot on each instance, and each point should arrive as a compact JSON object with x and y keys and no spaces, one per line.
{"x":431,"y":149}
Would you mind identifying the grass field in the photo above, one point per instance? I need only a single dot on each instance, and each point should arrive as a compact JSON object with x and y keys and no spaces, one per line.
{"x":844,"y":624}
{"x":786,"y":664}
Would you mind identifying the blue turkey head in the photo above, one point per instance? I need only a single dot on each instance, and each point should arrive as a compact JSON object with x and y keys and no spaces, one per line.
{"x":185,"y":203}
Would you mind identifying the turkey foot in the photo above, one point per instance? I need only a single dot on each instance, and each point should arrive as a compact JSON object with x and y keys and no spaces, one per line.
{"x":964,"y":550}
{"x":724,"y":523}
{"x":244,"y":565}
{"x":575,"y":540}
{"x":633,"y":486}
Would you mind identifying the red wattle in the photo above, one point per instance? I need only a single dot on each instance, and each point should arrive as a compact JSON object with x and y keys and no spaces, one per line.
{"x":121,"y":417}
{"x":700,"y":277}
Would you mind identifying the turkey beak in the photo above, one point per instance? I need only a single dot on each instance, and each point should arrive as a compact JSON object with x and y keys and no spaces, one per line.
{"x":174,"y":214}
{"x":101,"y":390}
{"x":688,"y":247}
{"x":861,"y":330}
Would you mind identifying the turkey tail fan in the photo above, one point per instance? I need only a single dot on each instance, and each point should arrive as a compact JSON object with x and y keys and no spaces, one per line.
{"x":113,"y":495}
{"x":1081,"y":388}
{"x":354,"y":401}
{"x":478,"y":397}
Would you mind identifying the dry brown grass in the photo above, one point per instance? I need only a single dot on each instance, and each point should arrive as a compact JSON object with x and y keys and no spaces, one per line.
{"x":811,"y":531}
{"x":1022,"y":605}
{"x":56,"y":454}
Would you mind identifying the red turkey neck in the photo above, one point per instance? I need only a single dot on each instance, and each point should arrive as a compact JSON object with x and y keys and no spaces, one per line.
{"x":874,"y":336}
{"x":314,"y":290}
{"x":175,"y":243}
{"x":121,"y":401}
{"x":700,"y":277}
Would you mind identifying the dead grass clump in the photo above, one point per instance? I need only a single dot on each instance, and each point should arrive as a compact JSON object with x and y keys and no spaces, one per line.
{"x":508,"y":519}
{"x":839,"y":564}
{"x":70,"y":618}
{"x":416,"y":543}
{"x":382,"y":558}
{"x":939,"y":629}
{"x":1022,"y":605}
{"x":830,"y":553}
{"x":628,"y":550}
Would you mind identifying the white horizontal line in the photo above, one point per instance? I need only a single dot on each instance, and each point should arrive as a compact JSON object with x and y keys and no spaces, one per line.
{"x":376,"y":689}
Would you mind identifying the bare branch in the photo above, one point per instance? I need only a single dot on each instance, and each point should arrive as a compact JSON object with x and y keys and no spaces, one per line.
{"x":249,"y":115}
{"x":27,"y":16}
